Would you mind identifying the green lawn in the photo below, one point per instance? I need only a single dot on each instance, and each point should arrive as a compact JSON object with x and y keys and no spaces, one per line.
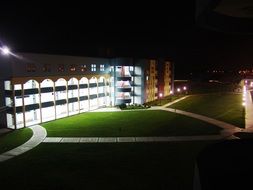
{"x":211,"y":87}
{"x":222,"y":106}
{"x":103,"y":166}
{"x":14,"y":139}
{"x":133,"y":123}
{"x":165,"y":100}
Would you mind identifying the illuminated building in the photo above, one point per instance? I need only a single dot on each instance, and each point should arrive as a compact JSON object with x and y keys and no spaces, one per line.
{"x":36,"y":88}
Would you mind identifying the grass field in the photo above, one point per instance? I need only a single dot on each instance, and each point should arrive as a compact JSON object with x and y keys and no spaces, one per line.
{"x":103,"y":166}
{"x":14,"y":139}
{"x":165,"y":100}
{"x":210,"y":87}
{"x":134,"y":123}
{"x":222,"y":106}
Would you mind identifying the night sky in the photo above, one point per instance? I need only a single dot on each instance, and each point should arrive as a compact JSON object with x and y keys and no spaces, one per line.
{"x":164,"y":30}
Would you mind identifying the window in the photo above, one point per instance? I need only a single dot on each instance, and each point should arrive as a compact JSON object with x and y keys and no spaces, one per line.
{"x":102,"y":67}
{"x":60,"y":68}
{"x":30,"y":67}
{"x":72,"y":68}
{"x":131,"y":68}
{"x":93,"y":67}
{"x":83,"y":68}
{"x":47,"y":68}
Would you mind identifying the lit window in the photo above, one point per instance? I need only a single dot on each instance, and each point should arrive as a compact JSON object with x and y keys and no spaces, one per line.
{"x":147,"y":78}
{"x":30,"y":67}
{"x":102,"y":67}
{"x":83,"y":68}
{"x":131,"y":68}
{"x":60,"y":68}
{"x":93,"y":67}
{"x":47,"y":68}
{"x":72,"y":68}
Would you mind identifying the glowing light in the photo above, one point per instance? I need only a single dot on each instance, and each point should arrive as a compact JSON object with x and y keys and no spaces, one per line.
{"x":160,"y":95}
{"x":178,"y":89}
{"x":244,"y":88}
{"x":5,"y":50}
{"x":184,"y":87}
{"x":246,"y":81}
{"x":243,"y":98}
{"x":171,"y":92}
{"x":243,"y":103}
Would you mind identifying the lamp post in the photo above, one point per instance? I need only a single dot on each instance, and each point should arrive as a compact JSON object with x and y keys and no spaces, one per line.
{"x":185,"y":89}
{"x":160,"y":97}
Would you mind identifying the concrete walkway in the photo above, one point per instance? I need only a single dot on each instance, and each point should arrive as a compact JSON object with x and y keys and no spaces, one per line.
{"x":129,"y":139}
{"x":228,"y":129}
{"x":248,"y":112}
{"x":108,"y":109}
{"x":39,"y":134}
{"x":177,"y":100}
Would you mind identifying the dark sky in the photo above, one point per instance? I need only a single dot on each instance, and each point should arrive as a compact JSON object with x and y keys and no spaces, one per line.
{"x":151,"y":30}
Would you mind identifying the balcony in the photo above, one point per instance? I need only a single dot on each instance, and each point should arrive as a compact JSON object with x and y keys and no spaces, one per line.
{"x":126,"y":78}
{"x":124,"y":89}
{"x":123,"y":101}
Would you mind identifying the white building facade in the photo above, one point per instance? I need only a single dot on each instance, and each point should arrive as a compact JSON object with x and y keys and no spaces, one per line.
{"x":37,"y":88}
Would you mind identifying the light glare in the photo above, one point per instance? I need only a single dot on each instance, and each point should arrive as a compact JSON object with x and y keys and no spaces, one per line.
{"x":5,"y":50}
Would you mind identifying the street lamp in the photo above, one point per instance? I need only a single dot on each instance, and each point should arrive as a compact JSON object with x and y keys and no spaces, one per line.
{"x":5,"y":50}
{"x":160,"y":97}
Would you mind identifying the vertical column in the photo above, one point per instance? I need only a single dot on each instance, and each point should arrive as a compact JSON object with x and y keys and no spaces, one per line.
{"x":54,"y":91}
{"x":88,"y":94}
{"x":14,"y":107}
{"x":67,"y":89}
{"x":133,"y":84}
{"x":23,"y":103}
{"x":40,"y":103}
{"x":78,"y":91}
{"x":110,"y":90}
{"x":97,"y":94}
{"x":115,"y":84}
{"x":172,"y":76}
{"x":105,"y":91}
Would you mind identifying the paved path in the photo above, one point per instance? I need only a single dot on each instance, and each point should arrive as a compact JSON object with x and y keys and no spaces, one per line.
{"x":39,"y":134}
{"x":129,"y":139}
{"x":248,"y":112}
{"x":229,"y":129}
{"x":170,"y":103}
